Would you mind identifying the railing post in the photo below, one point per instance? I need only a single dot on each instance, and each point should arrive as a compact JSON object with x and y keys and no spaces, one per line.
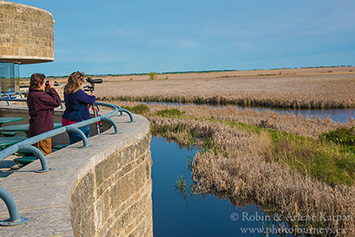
{"x":80,"y":133}
{"x":40,"y":156}
{"x":12,"y":207}
{"x":128,"y":112}
{"x":119,"y":107}
{"x":103,"y":118}
{"x":19,"y":93}
{"x":8,"y":103}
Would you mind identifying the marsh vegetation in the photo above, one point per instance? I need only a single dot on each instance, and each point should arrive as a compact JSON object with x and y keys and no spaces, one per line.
{"x":316,"y":88}
{"x":291,"y":165}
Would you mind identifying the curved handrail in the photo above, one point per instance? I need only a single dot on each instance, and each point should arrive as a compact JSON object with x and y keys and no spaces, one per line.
{"x":12,"y":208}
{"x":8,"y":96}
{"x":127,"y":112}
{"x":26,"y":145}
{"x":61,"y":104}
{"x":19,"y":93}
{"x":13,"y":93}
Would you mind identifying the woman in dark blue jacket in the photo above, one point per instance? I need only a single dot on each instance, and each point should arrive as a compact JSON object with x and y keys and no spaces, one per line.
{"x":76,"y":105}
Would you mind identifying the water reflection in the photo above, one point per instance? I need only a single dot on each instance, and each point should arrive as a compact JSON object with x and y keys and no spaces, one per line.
{"x":178,"y":213}
{"x":339,"y":115}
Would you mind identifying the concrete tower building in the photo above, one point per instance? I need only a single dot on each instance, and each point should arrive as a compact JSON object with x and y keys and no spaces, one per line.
{"x":26,"y":36}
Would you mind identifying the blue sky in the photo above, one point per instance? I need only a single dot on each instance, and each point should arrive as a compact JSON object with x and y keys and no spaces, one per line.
{"x":139,"y":36}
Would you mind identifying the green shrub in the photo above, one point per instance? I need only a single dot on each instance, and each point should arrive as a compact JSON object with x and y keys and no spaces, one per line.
{"x":138,"y":109}
{"x":344,"y":136}
{"x":153,"y":75}
{"x":170,"y":113}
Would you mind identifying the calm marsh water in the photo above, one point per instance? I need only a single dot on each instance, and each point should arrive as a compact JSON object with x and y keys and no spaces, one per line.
{"x":177,"y":215}
{"x":339,"y":115}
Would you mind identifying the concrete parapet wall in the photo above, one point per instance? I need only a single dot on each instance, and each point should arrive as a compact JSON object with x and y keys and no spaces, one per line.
{"x":26,"y":34}
{"x":103,"y":190}
{"x":116,"y":195}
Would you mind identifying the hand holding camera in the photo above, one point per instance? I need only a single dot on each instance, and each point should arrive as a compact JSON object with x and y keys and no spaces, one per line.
{"x":51,"y":84}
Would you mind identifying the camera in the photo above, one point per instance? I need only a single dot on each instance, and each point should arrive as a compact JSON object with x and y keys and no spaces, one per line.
{"x":55,"y":83}
{"x":92,"y":81}
{"x":91,"y":88}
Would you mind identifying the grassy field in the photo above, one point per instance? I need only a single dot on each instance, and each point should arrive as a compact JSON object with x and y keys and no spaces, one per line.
{"x":287,"y":88}
{"x":308,"y":88}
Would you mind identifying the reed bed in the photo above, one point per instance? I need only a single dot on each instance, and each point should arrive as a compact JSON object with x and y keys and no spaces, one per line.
{"x":236,"y":166}
{"x":290,"y":123}
{"x":243,"y":102}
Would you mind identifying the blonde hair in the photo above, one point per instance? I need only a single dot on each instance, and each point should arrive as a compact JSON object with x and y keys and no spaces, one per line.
{"x":75,"y":80}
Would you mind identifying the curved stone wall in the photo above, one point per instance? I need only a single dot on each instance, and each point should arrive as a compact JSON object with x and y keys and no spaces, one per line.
{"x":114,"y":197}
{"x":102,"y":190}
{"x":26,"y":34}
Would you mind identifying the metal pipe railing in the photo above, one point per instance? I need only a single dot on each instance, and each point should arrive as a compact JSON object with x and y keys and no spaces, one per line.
{"x":3,"y":95}
{"x":9,"y":94}
{"x":26,"y":145}
{"x":12,"y":208}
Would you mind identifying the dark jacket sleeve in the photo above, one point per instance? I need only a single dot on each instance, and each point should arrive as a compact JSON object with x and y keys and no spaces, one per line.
{"x":50,"y":100}
{"x":84,"y":98}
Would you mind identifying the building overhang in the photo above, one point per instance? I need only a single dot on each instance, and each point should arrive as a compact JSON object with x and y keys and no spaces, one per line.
{"x":23,"y":59}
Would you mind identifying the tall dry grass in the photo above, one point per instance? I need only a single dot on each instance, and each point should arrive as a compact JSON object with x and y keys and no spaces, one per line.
{"x":290,"y":123}
{"x":315,"y":90}
{"x":236,"y":167}
{"x":243,"y":102}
